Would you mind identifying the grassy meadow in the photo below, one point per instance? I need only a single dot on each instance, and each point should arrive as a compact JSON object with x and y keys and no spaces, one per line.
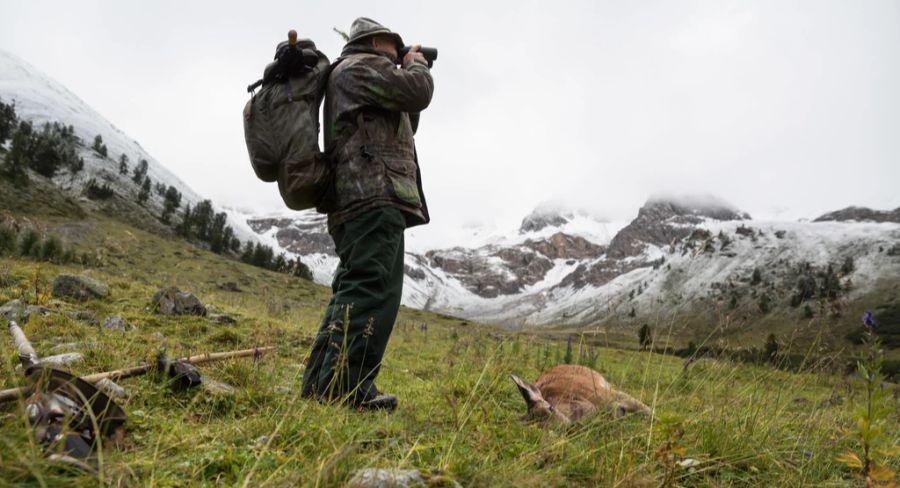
{"x":716,"y":422}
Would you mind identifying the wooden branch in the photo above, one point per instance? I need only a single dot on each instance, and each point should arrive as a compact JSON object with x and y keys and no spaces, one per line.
{"x":13,"y":393}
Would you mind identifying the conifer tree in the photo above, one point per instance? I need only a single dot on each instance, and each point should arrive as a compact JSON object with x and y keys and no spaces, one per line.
{"x":123,"y":164}
{"x":8,"y":121}
{"x":184,"y":228}
{"x":645,"y":337}
{"x":19,"y":156}
{"x":98,"y":146}
{"x":771,"y":348}
{"x":140,"y":172}
{"x":144,"y":194}
{"x":171,"y":201}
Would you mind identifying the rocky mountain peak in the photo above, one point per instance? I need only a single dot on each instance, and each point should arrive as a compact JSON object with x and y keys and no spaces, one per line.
{"x":544,"y":216}
{"x":665,"y":207}
{"x":861,"y":214}
{"x":663,"y":220}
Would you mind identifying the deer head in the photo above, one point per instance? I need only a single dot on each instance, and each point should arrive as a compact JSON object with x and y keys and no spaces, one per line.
{"x":539,"y":409}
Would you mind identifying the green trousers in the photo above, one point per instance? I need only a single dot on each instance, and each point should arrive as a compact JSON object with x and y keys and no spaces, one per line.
{"x":346,"y":355}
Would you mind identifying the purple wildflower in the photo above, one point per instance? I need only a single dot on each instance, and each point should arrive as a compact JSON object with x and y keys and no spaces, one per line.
{"x":869,"y":321}
{"x":807,"y":454}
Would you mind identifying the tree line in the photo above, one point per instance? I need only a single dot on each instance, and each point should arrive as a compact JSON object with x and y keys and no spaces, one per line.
{"x":44,"y":150}
{"x":54,"y":146}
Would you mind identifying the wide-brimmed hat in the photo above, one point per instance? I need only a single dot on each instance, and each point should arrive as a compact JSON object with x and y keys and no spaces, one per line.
{"x":364,"y":27}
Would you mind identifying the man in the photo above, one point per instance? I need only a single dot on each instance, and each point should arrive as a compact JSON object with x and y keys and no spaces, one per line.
{"x":371,"y":113}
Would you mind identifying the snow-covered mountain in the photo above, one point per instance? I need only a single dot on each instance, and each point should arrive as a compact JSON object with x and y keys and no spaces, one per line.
{"x":678,"y":256}
{"x":560,"y":267}
{"x":39,"y":99}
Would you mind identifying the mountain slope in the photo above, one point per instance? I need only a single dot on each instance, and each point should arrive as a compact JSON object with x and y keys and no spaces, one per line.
{"x":40,"y":99}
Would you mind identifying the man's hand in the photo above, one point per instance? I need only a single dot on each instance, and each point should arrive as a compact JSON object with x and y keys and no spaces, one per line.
{"x":414,"y":55}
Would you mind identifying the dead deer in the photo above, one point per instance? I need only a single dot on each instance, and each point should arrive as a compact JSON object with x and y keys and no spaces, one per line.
{"x":567,"y":393}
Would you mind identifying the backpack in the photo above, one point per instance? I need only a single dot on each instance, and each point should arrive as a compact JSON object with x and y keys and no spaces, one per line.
{"x":281,"y":123}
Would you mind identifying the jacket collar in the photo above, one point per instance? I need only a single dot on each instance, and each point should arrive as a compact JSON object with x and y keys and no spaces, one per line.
{"x":356,"y":48}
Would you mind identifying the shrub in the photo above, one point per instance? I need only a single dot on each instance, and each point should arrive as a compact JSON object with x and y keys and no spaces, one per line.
{"x":7,"y":239}
{"x":95,"y":191}
{"x":30,"y":244}
{"x":848,"y":266}
{"x":771,"y":348}
{"x":756,"y":278}
{"x":52,"y":250}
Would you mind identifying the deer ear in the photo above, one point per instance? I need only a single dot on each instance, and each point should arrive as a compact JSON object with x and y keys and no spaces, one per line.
{"x":529,"y":392}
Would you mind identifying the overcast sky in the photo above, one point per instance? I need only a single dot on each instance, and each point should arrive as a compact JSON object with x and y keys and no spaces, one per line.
{"x":777,"y":106}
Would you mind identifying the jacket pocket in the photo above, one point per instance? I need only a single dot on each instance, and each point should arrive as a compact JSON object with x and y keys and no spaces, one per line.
{"x":358,"y":179}
{"x":402,"y":175}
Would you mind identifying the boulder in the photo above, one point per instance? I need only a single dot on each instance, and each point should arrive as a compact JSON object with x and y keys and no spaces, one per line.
{"x":34,"y":310}
{"x":78,"y":287}
{"x":116,"y":322}
{"x":229,"y":286}
{"x":221,"y":318}
{"x":386,"y":478}
{"x":11,"y":310}
{"x":83,"y":315}
{"x":217,"y":388}
{"x":172,"y":301}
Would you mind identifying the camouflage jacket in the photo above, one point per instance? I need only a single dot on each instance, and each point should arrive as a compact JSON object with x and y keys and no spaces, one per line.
{"x":371,"y":113}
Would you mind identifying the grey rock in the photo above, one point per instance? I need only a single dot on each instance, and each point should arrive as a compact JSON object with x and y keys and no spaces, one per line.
{"x":11,"y":310}
{"x":83,"y":315}
{"x":222,"y":319}
{"x":417,"y":274}
{"x":78,"y":287}
{"x":32,"y":310}
{"x":86,"y":345}
{"x":386,"y":478}
{"x":172,"y":301}
{"x":300,"y":236}
{"x":477,"y":269}
{"x":116,"y":322}
{"x":214,"y":387}
{"x":229,"y":286}
{"x":112,"y":389}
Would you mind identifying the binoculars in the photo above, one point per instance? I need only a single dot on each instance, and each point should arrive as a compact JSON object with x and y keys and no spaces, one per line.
{"x":430,"y":53}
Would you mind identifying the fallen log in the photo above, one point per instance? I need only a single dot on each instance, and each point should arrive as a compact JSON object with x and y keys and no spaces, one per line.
{"x":14,"y":393}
